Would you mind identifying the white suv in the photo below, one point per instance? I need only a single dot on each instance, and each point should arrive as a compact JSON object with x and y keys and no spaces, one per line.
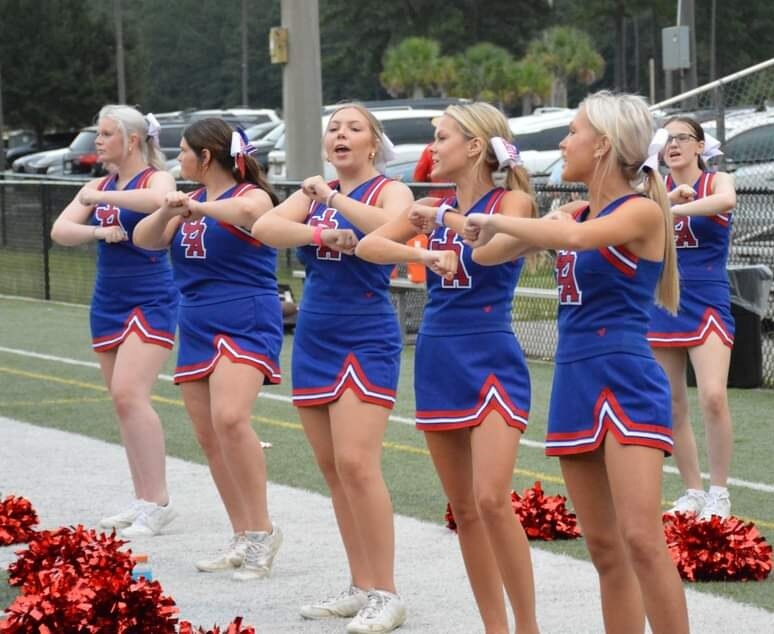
{"x":538,"y":135}
{"x":401,"y":126}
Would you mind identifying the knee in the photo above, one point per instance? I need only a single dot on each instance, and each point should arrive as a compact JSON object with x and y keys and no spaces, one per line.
{"x":465,"y":512}
{"x":354,"y":470}
{"x":643,"y":544}
{"x":493,"y":504}
{"x":230,"y":422}
{"x":607,"y":553}
{"x":126,"y":399}
{"x":714,"y":404}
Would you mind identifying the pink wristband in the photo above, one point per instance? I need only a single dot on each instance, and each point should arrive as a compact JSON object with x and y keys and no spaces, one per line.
{"x":317,"y":235}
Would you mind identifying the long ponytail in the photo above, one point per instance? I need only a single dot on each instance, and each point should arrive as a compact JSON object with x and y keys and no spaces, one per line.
{"x":668,"y":289}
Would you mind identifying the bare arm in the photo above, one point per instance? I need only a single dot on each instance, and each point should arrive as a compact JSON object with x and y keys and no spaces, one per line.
{"x":71,"y":229}
{"x":393,"y":199}
{"x":722,"y":199}
{"x":505,"y":248}
{"x":156,"y":230}
{"x":284,"y":226}
{"x":634,"y":224}
{"x":241,"y":211}
{"x":144,"y":201}
{"x":387,"y":245}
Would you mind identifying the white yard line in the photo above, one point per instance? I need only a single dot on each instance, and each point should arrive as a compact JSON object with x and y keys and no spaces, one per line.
{"x":74,"y":479}
{"x":737,"y":482}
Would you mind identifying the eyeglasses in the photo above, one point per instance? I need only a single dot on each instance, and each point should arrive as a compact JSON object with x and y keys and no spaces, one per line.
{"x":681,"y":138}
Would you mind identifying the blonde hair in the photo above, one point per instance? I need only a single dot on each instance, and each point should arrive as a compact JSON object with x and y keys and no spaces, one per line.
{"x":628,"y":125}
{"x":131,"y":121}
{"x":483,"y":121}
{"x":377,"y":131}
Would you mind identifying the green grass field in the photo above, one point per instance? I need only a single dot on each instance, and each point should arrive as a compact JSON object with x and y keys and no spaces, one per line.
{"x":53,"y":393}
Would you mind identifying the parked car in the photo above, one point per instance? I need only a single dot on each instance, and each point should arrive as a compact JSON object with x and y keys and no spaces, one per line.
{"x":748,"y":150}
{"x":29,"y":144}
{"x":538,"y":136}
{"x":402,"y":126}
{"x":47,"y":162}
{"x":82,"y":154}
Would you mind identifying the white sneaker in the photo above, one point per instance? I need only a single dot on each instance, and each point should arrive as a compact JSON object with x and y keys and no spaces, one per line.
{"x":150,"y":521}
{"x":346,"y":604}
{"x":230,"y":558}
{"x":692,"y":501}
{"x":717,"y":504}
{"x":124,"y":518}
{"x":260,"y":549}
{"x":384,"y":612}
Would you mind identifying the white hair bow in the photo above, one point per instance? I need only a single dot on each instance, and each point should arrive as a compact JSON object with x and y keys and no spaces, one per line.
{"x":385,"y":154}
{"x":711,"y":147}
{"x":240,"y":147}
{"x":507,"y":153}
{"x":154,"y":127}
{"x":657,"y":145}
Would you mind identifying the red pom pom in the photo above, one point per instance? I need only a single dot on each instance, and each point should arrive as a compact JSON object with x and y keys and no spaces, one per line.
{"x":17,"y":517}
{"x":78,"y":580}
{"x":235,"y":627}
{"x":449,"y":518}
{"x":717,"y":550}
{"x":543,"y":517}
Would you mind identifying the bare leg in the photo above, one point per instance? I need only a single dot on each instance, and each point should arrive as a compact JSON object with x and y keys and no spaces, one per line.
{"x":135,"y":370}
{"x":711,"y":362}
{"x":635,"y":484}
{"x":233,"y":390}
{"x":357,"y":431}
{"x":451,"y":454}
{"x":587,"y":483}
{"x":495,"y":446}
{"x":317,"y":426}
{"x":196,"y":395}
{"x":685,"y":454}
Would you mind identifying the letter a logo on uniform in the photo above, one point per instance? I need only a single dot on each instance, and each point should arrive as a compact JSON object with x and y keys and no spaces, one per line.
{"x":566,"y":283}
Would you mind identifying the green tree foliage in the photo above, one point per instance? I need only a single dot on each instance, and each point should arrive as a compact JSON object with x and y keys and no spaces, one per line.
{"x":486,"y":71}
{"x":58,"y":65}
{"x":410,"y":67}
{"x":568,"y":53}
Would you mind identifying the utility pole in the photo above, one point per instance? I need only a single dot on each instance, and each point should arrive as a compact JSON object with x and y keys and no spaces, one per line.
{"x":120,"y":70}
{"x":244,"y":54}
{"x":302,"y":89}
{"x":687,"y":17}
{"x":2,"y":122}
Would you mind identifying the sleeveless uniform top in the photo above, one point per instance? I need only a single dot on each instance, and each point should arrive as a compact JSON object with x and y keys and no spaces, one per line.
{"x":604,"y":298}
{"x":125,"y":259}
{"x":702,"y":241}
{"x":337,"y":283}
{"x":216,"y":261}
{"x":479,"y":298}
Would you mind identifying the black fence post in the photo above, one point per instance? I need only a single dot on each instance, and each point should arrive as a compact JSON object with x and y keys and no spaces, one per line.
{"x":45,"y":210}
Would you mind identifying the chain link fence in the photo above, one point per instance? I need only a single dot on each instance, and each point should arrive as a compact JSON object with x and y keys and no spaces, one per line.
{"x":32,"y":266}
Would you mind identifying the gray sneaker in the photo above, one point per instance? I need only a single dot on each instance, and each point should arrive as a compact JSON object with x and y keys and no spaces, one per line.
{"x":384,"y":612}
{"x":717,"y":504}
{"x":126,"y":517}
{"x":231,"y":557}
{"x":346,"y":604}
{"x":150,"y":521}
{"x":692,"y":501}
{"x":261,"y":548}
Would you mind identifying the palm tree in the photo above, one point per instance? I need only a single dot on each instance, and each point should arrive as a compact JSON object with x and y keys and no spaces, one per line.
{"x":485,"y":71}
{"x":568,"y":53}
{"x":535,"y":82}
{"x":409,"y":67}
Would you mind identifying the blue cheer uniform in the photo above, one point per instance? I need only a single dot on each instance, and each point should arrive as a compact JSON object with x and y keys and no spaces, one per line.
{"x":606,"y":378}
{"x":468,"y":360}
{"x":705,"y":297}
{"x":230,"y":306}
{"x":347,"y":334}
{"x":133,"y":291}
